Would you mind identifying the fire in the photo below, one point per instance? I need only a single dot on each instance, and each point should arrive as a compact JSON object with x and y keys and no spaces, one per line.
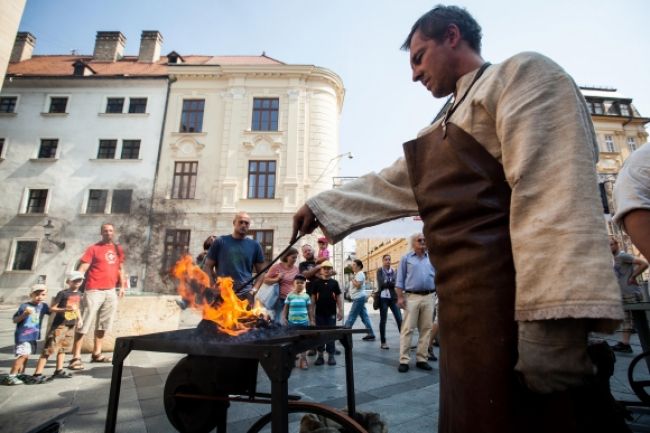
{"x":232,"y":315}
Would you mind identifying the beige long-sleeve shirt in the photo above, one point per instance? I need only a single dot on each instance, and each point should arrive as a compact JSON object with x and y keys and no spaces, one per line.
{"x":528,"y":113}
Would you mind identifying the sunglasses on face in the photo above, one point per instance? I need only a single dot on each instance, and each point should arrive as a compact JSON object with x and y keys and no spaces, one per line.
{"x":78,"y":281}
{"x":421,"y":241}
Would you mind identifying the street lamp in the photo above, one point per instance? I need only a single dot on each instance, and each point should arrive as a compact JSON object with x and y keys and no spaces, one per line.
{"x":48,"y":228}
{"x":329,"y":163}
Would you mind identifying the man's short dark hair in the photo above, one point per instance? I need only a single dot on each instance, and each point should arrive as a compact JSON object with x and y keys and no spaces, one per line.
{"x":384,"y":256}
{"x":359,"y":263}
{"x":434,"y":26}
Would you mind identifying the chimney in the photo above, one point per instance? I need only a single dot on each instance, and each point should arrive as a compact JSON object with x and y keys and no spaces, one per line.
{"x":150,"y":44}
{"x":23,"y":47}
{"x":109,"y":46}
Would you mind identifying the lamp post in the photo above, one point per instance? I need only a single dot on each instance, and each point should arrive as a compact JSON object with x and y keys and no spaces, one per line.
{"x":329,"y":165}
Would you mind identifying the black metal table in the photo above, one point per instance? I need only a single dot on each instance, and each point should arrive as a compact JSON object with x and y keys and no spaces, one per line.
{"x":276,"y":354}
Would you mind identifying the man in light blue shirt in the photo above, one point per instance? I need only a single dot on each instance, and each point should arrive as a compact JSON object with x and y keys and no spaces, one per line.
{"x":415,"y":287}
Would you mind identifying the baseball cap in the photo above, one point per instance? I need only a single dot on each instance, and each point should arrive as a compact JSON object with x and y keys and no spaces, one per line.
{"x":322,"y":239}
{"x":38,"y":288}
{"x":326,"y":264}
{"x":300,"y":277}
{"x":74,"y":275}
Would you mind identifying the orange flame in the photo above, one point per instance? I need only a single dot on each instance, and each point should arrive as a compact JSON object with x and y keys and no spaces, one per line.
{"x":232,"y":315}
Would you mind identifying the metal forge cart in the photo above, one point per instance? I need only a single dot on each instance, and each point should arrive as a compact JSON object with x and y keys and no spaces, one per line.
{"x":223,"y":369}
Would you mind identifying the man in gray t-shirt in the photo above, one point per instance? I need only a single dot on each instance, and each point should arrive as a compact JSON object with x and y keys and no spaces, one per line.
{"x":627,"y":268}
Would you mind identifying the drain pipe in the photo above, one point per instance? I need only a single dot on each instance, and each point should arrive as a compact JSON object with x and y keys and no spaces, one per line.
{"x":170,"y":80}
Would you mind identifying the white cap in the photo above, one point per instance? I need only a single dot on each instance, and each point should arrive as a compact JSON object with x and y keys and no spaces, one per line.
{"x":38,"y":288}
{"x":74,"y":275}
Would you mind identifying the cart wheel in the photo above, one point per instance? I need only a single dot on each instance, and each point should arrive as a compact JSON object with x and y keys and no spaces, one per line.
{"x":639,"y":386}
{"x":349,"y":425}
{"x":191,"y":415}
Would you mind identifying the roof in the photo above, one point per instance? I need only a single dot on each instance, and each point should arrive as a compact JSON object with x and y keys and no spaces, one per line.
{"x":62,"y":65}
{"x":602,"y":93}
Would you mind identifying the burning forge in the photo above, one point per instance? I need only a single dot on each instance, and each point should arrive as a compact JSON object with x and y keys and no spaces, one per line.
{"x":219,"y":305}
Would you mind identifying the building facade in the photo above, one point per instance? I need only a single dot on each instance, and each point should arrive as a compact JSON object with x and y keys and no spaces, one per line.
{"x":79,"y":139}
{"x":245,"y":133}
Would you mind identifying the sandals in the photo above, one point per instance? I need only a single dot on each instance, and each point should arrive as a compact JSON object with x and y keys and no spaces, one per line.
{"x":75,"y":364}
{"x":61,"y":374}
{"x":100,"y":358}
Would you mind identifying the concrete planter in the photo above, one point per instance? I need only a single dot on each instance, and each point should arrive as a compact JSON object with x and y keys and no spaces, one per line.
{"x":139,"y":315}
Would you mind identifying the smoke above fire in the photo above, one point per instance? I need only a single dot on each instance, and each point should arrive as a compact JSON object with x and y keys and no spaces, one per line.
{"x":220,"y":304}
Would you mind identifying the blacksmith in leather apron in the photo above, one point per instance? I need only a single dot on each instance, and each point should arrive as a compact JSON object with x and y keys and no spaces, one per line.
{"x":464,"y":200}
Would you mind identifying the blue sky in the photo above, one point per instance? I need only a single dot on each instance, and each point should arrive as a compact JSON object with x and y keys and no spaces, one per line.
{"x":598,"y":42}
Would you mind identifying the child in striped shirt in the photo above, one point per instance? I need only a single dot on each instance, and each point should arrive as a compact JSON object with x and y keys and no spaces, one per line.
{"x":297,"y":311}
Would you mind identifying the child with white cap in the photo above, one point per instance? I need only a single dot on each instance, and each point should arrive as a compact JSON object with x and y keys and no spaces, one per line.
{"x":66,"y":320}
{"x":28,"y":320}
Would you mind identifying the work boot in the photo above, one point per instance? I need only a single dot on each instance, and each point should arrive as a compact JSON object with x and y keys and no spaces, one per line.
{"x":320,"y":360}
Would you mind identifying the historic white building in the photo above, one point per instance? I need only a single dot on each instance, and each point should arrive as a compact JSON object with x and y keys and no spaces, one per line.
{"x":79,"y":139}
{"x":168,"y":149}
{"x":245,"y":133}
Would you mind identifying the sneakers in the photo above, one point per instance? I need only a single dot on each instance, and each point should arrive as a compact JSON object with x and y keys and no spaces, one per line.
{"x":369,"y":338}
{"x":384,"y":346}
{"x":423,"y":366}
{"x":432,"y":356}
{"x":622,"y":347}
{"x":320,"y":360}
{"x":11,"y":380}
{"x":331,"y":360}
{"x":403,"y":368}
{"x":34,"y":380}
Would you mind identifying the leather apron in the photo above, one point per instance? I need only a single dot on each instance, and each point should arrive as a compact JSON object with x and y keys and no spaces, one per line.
{"x":464,"y":201}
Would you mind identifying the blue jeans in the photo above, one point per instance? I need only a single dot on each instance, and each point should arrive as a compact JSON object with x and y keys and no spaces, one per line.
{"x":384,"y":305}
{"x":277,"y":310}
{"x":324,"y":320}
{"x":359,"y":309}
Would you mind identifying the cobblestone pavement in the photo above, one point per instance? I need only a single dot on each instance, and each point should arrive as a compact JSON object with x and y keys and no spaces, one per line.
{"x":407,"y":402}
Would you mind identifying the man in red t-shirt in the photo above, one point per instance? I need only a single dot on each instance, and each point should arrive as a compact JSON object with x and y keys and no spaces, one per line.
{"x":102,"y":263}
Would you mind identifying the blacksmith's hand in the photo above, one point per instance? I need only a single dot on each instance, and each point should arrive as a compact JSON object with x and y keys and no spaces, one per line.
{"x":120,"y":293}
{"x":553,"y":355}
{"x":304,"y":222}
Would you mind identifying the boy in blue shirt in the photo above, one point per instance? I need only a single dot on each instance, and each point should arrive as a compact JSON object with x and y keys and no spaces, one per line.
{"x":28,"y":320}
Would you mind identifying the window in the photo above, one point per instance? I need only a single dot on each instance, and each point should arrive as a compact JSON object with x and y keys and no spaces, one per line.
{"x":121,"y":201}
{"x":265,"y":114}
{"x":192,"y":117}
{"x":48,"y":148}
{"x":265,"y":238}
{"x":631,"y":144}
{"x":97,"y":201}
{"x":625,"y":110}
{"x":184,"y":179}
{"x":36,"y":200}
{"x":598,"y":108}
{"x":130,"y":149}
{"x":177,"y":244}
{"x":137,"y":105}
{"x":114,"y":105}
{"x":603,"y":197}
{"x":609,"y":144}
{"x":24,"y":256}
{"x":261,"y":179}
{"x":107,"y":149}
{"x":590,"y":107}
{"x":58,"y":104}
{"x":8,"y":104}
